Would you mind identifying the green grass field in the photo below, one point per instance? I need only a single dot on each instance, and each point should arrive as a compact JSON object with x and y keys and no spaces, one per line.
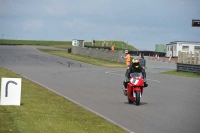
{"x":43,"y":111}
{"x":119,"y":45}
{"x":33,"y":42}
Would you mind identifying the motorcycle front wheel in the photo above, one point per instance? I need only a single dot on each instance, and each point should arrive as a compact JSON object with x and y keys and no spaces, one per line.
{"x":137,"y":101}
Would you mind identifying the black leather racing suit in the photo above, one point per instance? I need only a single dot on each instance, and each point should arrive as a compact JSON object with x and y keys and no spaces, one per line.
{"x":133,"y":69}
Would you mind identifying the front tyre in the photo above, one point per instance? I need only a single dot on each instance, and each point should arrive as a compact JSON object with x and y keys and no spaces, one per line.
{"x":137,"y":98}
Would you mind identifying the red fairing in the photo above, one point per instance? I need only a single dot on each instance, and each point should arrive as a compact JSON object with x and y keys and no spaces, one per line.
{"x":139,"y":83}
{"x":130,"y":91}
{"x":135,"y":84}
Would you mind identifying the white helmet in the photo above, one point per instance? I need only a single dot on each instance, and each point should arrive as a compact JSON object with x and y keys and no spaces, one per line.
{"x":126,"y":51}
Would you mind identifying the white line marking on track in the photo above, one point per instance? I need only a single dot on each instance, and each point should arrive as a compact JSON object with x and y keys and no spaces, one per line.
{"x":153,"y":80}
{"x":113,"y":72}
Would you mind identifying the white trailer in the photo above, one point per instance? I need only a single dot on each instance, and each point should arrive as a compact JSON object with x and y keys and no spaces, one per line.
{"x":183,"y":46}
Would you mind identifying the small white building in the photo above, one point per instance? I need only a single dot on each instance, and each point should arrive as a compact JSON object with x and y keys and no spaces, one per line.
{"x":183,"y":46}
{"x":76,"y":42}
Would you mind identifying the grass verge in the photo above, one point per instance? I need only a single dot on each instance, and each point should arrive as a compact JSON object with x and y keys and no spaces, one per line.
{"x":186,"y":74}
{"x":104,"y":63}
{"x":44,"y":111}
{"x":89,"y":60}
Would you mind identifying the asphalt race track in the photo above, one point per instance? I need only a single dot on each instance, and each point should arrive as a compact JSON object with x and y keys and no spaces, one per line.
{"x":170,"y":104}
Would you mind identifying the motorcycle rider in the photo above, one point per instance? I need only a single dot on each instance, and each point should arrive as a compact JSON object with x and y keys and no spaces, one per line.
{"x":134,"y":67}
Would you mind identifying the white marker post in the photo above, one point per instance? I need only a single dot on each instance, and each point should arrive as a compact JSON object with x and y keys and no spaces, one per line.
{"x":10,"y":91}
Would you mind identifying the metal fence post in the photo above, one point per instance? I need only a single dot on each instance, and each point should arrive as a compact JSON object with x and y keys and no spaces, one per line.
{"x":191,"y":57}
{"x":198,"y":58}
{"x":195,"y":58}
{"x":184,"y":57}
{"x":181,"y":57}
{"x":178,"y":57}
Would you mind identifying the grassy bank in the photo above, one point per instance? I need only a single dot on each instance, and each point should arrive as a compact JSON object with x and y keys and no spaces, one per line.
{"x":34,"y":42}
{"x":185,"y":74}
{"x":44,"y":111}
{"x":93,"y":61}
{"x":57,"y":44}
{"x":119,"y":45}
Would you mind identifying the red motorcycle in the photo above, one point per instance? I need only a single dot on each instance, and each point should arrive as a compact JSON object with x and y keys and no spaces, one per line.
{"x":135,"y":88}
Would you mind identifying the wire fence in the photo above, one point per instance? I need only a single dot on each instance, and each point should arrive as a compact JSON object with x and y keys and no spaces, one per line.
{"x":189,"y":58}
{"x":188,"y":62}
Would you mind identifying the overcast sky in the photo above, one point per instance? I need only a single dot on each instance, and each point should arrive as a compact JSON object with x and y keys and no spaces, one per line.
{"x":141,"y":23}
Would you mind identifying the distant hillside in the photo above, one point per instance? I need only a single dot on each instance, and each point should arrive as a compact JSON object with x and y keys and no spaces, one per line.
{"x":34,"y":42}
{"x":119,"y":45}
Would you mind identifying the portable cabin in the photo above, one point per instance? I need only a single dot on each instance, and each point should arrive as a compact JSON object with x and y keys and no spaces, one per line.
{"x":173,"y":48}
{"x":76,"y":42}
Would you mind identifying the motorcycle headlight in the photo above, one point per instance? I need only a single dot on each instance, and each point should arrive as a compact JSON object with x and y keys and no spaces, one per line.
{"x":132,"y":80}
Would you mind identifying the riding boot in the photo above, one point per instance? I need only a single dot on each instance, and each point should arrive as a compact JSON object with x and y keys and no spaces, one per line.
{"x":124,"y":88}
{"x":145,"y":84}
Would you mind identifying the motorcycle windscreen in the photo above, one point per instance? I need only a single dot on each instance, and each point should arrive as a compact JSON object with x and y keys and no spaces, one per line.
{"x":136,"y":75}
